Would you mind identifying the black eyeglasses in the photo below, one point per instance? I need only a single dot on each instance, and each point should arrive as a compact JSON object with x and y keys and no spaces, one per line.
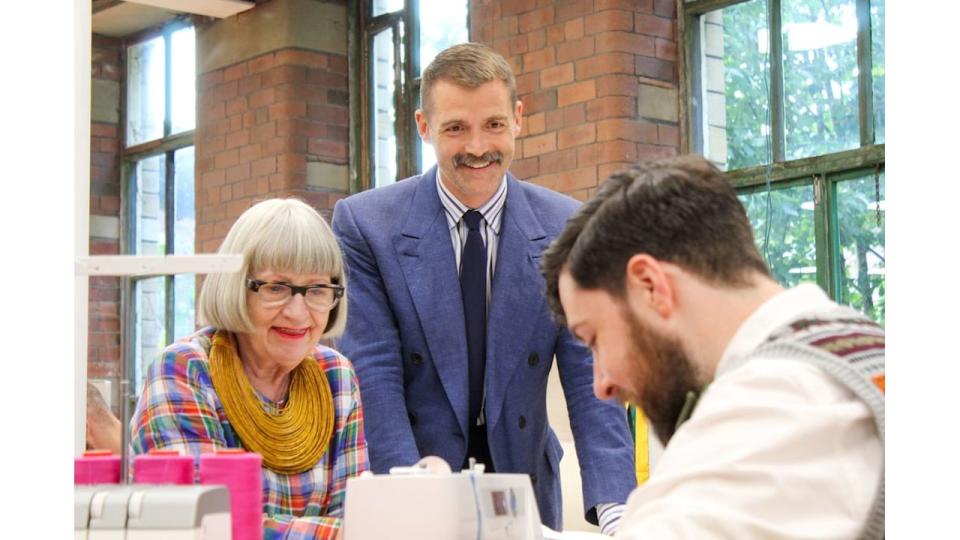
{"x":319,"y":297}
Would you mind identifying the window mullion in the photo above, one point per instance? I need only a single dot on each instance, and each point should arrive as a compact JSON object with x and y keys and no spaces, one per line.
{"x":865,"y":75}
{"x":412,"y":37}
{"x":169,"y":319}
{"x":127,"y":367}
{"x":357,"y":89}
{"x":694,"y":54}
{"x":827,"y":239}
{"x":399,"y":100}
{"x":167,"y":87}
{"x":169,"y":199}
{"x":775,"y":37}
{"x":411,"y":153}
{"x":169,"y":181}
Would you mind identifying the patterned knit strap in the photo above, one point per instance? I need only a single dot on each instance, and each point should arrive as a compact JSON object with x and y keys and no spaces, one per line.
{"x":845,"y":335}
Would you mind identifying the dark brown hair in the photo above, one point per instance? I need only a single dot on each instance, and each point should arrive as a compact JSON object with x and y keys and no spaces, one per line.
{"x":679,"y":210}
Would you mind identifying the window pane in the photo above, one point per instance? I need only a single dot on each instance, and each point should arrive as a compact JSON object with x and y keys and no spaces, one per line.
{"x":428,"y":158}
{"x":145,"y":91}
{"x":386,"y":6}
{"x":149,"y":335}
{"x":862,"y":242}
{"x":184,"y":231}
{"x":442,"y":23}
{"x":149,"y":231}
{"x":183,"y":208}
{"x":384,"y":113}
{"x":783,"y":227}
{"x":184,"y":303}
{"x":735,"y":92}
{"x":183,"y":80}
{"x":821,"y":113}
{"x":877,"y":30}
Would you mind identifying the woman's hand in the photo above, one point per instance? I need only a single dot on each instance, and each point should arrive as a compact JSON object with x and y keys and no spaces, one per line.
{"x":103,"y":428}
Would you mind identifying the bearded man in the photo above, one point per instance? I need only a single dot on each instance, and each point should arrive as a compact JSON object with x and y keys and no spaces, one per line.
{"x":770,"y":401}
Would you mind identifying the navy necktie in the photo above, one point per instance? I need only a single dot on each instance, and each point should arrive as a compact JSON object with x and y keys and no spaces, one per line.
{"x":473,"y":288}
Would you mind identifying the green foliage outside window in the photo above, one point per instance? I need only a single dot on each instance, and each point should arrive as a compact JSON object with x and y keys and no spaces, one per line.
{"x":820,"y":109}
{"x":862,"y":240}
{"x":783,"y":226}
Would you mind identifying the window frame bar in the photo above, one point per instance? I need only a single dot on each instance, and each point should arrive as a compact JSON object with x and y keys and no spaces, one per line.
{"x":409,"y":161}
{"x":838,"y":162}
{"x":825,"y":218}
{"x":775,"y":72}
{"x":702,"y":7}
{"x":865,"y":72}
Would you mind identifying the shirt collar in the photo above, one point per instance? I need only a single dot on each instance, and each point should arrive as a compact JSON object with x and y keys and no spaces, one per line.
{"x":770,"y":316}
{"x":492,"y":210}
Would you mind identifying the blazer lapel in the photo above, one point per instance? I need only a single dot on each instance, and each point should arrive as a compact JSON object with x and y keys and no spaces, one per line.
{"x":426,"y":257}
{"x":517,"y":298}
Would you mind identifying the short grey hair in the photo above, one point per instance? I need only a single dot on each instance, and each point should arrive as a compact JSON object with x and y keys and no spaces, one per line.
{"x":279,"y":235}
{"x":469,"y":65}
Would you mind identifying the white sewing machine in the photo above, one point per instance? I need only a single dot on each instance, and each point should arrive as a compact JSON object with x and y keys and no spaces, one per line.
{"x":151,"y":512}
{"x":428,"y":502}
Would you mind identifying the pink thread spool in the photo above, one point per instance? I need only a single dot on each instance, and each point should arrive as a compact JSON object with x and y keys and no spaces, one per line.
{"x":240,"y":472}
{"x":96,"y":467}
{"x":163,"y":467}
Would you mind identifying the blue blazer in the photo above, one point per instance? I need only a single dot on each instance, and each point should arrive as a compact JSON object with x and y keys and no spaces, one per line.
{"x":406,"y":337}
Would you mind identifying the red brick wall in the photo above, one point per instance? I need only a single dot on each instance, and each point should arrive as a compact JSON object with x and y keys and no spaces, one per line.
{"x":580,"y":67}
{"x":259,"y":122}
{"x":103,"y":339}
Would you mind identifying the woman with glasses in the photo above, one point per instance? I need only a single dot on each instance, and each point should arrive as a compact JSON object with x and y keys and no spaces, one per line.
{"x":256,"y":377}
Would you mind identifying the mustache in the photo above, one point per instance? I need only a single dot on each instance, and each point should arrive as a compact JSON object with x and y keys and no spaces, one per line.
{"x":472,"y":160}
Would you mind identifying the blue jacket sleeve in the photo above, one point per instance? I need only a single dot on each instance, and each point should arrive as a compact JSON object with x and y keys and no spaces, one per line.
{"x":372,"y":342}
{"x":600,"y":430}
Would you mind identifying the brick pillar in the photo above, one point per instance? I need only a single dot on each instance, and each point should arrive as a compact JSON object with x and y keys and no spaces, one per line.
{"x":103,"y":340}
{"x":598,"y":80}
{"x":272,"y":112}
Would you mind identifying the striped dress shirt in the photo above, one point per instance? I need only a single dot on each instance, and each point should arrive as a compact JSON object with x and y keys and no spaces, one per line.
{"x":492,"y":212}
{"x":608,"y":513}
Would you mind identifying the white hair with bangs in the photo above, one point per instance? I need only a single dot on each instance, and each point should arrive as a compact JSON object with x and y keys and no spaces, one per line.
{"x":277,"y":235}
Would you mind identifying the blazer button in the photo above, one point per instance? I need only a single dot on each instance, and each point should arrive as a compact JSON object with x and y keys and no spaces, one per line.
{"x":533,"y":479}
{"x":413,"y":418}
{"x":522,"y":422}
{"x":416,"y":359}
{"x":533,"y":359}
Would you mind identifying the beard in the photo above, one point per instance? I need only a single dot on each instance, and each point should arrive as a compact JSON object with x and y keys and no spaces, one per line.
{"x":666,"y":378}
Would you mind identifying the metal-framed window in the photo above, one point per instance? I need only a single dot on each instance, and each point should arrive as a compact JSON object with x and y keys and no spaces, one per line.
{"x":159,"y":115}
{"x":788,"y":99}
{"x":393,"y":52}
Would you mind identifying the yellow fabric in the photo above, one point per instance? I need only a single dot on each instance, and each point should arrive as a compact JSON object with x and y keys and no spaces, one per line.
{"x":641,"y":434}
{"x":292,"y":439}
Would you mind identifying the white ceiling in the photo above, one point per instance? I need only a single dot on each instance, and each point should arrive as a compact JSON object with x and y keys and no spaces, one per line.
{"x":117,"y":19}
{"x":126,"y":18}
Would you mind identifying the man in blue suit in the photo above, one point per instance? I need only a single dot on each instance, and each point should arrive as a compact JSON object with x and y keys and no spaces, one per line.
{"x":449,"y":328}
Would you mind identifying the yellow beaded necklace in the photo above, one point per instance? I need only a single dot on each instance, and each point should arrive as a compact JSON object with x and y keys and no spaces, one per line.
{"x":292,"y":439}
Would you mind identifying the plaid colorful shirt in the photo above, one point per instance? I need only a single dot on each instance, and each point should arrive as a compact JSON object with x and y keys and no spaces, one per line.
{"x":179,"y":409}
